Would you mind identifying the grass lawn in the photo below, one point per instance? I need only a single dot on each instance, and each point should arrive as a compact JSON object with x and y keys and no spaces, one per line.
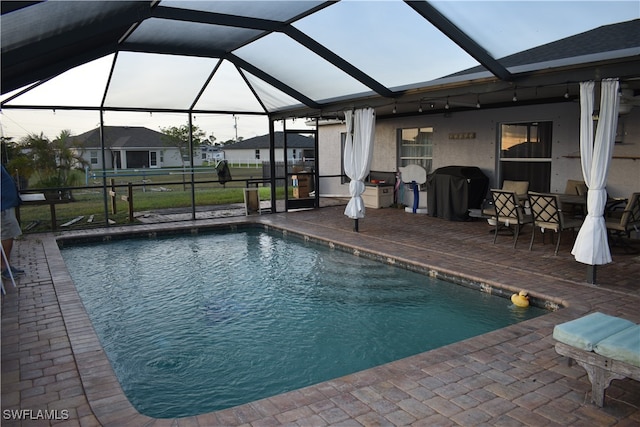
{"x":155,"y":192}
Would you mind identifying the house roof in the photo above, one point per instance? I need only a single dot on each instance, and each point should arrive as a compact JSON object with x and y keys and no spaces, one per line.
{"x":294,"y":140}
{"x":122,"y":137}
{"x":235,"y":56}
{"x":608,"y":38}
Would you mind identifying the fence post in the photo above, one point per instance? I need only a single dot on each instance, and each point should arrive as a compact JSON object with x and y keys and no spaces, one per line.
{"x":130,"y":200}
{"x":112,"y":193}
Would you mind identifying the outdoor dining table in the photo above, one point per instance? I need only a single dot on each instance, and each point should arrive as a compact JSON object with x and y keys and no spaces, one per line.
{"x":573,"y":199}
{"x":613,"y":203}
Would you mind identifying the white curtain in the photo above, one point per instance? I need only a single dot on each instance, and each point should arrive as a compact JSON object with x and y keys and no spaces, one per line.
{"x":358,"y":151}
{"x":591,"y":245}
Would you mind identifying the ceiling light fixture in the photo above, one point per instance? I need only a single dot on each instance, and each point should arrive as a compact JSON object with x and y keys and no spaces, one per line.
{"x":394,"y":109}
{"x":515,"y":96}
{"x":420,"y":109}
{"x":478,"y":103}
{"x":566,"y":92}
{"x":446,"y":106}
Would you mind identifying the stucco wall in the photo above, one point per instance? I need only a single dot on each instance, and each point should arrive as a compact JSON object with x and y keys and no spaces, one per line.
{"x":624,"y":172}
{"x":624,"y":176}
{"x":249,"y":155}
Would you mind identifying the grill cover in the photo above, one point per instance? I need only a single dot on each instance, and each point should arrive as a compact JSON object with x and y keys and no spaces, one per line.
{"x":453,"y":190}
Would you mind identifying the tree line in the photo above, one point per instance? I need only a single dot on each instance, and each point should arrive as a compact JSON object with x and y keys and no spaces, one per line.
{"x":49,"y":163}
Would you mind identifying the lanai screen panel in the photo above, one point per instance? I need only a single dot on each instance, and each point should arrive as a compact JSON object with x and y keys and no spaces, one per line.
{"x":82,"y":86}
{"x":187,"y":38}
{"x":303,"y":70}
{"x":272,"y":98}
{"x":279,"y":10}
{"x":144,"y":80}
{"x":387,"y":40}
{"x":228,"y":91}
{"x":168,"y":50}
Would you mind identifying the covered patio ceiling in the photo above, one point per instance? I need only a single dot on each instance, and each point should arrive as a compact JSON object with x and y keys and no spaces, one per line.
{"x":311,"y":58}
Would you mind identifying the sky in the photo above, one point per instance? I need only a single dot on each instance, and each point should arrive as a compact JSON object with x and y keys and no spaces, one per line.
{"x":385,"y":39}
{"x":20,"y":123}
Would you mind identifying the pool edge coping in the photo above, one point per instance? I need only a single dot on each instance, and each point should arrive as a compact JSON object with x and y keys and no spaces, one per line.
{"x":102,"y":388}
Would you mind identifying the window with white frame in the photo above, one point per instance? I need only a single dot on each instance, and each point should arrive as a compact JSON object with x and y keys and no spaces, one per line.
{"x":415,"y":146}
{"x":257,"y":155}
{"x":94,"y":157}
{"x":525,"y":153}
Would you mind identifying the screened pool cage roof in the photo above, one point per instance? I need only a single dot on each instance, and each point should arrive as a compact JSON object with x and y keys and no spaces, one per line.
{"x":310,"y":58}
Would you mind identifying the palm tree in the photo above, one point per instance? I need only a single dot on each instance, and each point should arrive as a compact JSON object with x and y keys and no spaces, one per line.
{"x":40,"y":155}
{"x":17,"y":162}
{"x":53,"y":161}
{"x":68,"y":157}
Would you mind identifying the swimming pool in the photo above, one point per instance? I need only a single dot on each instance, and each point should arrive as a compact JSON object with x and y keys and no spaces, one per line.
{"x":193,"y":324}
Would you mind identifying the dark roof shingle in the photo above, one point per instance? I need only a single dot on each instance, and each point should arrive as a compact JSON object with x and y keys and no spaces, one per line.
{"x":293,"y":141}
{"x":123,"y":137}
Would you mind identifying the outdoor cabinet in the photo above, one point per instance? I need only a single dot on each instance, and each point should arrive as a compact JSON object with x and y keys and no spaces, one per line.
{"x":378,"y":196}
{"x":301,"y":185}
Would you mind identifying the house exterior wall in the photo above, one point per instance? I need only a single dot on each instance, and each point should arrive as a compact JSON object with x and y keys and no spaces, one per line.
{"x":171,"y":157}
{"x":249,"y":155}
{"x":624,"y":174}
{"x":166,"y":157}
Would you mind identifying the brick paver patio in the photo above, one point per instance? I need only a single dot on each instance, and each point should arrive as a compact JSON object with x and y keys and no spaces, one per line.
{"x":52,"y":360}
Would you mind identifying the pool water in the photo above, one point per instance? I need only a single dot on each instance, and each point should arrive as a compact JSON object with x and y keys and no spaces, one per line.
{"x":193,"y":324}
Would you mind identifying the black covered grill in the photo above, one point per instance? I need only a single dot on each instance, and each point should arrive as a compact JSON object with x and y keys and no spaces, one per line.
{"x":453,"y":190}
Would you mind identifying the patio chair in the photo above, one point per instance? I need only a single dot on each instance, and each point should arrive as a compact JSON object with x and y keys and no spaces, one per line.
{"x":617,"y":229}
{"x":509,"y":212}
{"x":519,"y":187}
{"x":548,"y":215}
{"x":575,"y":187}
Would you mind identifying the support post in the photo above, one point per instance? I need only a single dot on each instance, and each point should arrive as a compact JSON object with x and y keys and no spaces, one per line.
{"x":192,"y":165}
{"x":591,"y":274}
{"x":104,"y":170}
{"x":272,"y":169}
{"x":130,"y":200}
{"x":355,"y":225}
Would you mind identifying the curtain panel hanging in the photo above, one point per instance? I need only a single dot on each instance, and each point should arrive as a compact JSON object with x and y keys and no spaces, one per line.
{"x":591,"y":246}
{"x":358,"y":151}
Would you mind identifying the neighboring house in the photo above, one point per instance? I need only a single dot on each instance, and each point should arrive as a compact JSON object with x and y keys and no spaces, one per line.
{"x":210,"y":155}
{"x":137,"y":148}
{"x":256,"y":150}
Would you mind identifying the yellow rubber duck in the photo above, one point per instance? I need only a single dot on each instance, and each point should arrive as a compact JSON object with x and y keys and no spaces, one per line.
{"x":520,"y":299}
